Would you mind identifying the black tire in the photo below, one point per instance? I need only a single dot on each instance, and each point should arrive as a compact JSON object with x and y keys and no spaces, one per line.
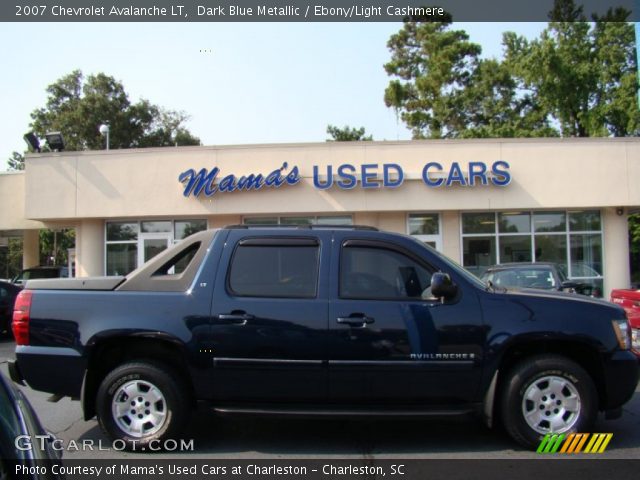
{"x":154,"y":408}
{"x":561,"y":395}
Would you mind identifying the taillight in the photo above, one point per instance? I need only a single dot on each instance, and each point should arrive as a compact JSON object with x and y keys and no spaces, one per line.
{"x":21,"y":312}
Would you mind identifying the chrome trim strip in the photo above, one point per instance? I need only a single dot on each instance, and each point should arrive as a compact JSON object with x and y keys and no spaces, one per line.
{"x":392,"y":363}
{"x":265,"y":361}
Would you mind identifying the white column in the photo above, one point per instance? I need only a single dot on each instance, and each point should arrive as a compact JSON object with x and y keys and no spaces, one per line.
{"x":451,"y":236}
{"x":90,"y":248}
{"x":616,"y":251}
{"x":30,"y":248}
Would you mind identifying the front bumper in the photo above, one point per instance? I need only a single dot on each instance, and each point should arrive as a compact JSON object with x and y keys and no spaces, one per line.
{"x":621,"y":373}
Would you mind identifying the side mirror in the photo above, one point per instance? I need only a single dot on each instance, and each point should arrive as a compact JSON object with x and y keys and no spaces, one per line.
{"x":442,"y":286}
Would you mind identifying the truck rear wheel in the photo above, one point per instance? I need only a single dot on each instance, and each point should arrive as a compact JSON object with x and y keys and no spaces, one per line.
{"x":142,"y":405}
{"x":547,"y":394}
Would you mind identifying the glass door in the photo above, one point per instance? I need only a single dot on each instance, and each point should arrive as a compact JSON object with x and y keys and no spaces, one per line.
{"x":151,"y":244}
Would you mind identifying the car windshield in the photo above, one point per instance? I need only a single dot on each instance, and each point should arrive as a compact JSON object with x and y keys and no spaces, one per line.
{"x":523,"y":278}
{"x":562,"y":273}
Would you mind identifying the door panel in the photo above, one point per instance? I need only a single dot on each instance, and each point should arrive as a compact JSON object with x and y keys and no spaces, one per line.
{"x":413,"y":349}
{"x":269,"y":320}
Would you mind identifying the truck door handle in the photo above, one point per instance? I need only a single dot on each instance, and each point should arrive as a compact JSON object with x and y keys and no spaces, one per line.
{"x":356,"y":320}
{"x":239,"y":318}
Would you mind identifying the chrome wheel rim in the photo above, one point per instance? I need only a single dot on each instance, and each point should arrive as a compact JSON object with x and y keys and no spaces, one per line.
{"x":551,"y":404}
{"x":139,"y":408}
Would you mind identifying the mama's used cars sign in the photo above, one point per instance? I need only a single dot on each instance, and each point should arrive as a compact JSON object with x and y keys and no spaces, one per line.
{"x":346,"y":176}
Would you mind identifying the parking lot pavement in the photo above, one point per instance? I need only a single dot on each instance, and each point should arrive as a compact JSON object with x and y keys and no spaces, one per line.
{"x":263,"y":438}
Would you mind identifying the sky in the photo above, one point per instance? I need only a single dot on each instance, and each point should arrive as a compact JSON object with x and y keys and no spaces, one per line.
{"x":240,"y":83}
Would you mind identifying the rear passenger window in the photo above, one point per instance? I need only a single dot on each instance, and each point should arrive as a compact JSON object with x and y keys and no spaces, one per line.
{"x":269,"y":269}
{"x":378,"y":273}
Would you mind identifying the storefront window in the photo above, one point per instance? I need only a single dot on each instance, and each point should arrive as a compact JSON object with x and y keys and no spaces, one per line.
{"x":424,"y":224}
{"x":296,"y":220}
{"x":334,"y":220}
{"x":122,"y":231}
{"x":514,"y":222}
{"x":426,"y":228}
{"x":551,"y":248}
{"x":515,"y":248}
{"x":130,"y":244}
{"x":155,"y":227}
{"x":549,"y":222}
{"x":586,"y":255}
{"x":184,"y":228}
{"x":310,"y":220}
{"x":479,"y":222}
{"x":261,"y":221}
{"x":121,"y":258}
{"x":572,"y":240}
{"x":479,"y":253}
{"x":588,"y":221}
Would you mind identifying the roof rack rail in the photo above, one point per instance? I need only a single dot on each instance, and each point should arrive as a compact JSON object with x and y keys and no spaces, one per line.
{"x":304,"y":227}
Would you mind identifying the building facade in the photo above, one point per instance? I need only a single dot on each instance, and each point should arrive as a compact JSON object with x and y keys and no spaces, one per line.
{"x":480,"y":202}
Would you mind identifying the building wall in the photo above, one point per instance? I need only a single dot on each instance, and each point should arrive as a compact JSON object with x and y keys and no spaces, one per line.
{"x":566,"y":173}
{"x":12,"y":202}
{"x":86,"y":189}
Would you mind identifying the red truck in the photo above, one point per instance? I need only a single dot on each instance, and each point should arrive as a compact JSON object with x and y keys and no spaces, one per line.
{"x":630,"y":301}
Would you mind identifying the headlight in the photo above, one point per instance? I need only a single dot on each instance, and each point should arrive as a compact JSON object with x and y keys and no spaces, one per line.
{"x":623,"y":332}
{"x":635,"y":339}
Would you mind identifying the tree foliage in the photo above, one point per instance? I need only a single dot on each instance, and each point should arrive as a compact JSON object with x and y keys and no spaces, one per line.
{"x":584,"y":75}
{"x":347,"y":134}
{"x":11,"y":258}
{"x":55,"y":245}
{"x":77,"y":107}
{"x":577,"y":79}
{"x":16,"y":162}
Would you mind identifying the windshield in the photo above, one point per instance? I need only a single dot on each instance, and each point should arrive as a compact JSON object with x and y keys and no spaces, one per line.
{"x":562,"y":273}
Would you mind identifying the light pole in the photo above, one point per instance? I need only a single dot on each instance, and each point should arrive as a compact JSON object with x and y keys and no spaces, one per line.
{"x":104,"y":130}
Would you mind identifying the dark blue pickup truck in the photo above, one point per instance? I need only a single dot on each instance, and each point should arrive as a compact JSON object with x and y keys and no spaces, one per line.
{"x":319,"y":321}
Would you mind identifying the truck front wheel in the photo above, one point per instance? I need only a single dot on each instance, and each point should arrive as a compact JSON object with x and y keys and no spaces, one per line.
{"x":141,"y":405}
{"x":547,"y":394}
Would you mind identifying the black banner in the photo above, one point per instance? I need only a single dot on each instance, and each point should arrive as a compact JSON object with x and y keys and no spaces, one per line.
{"x":551,"y":468}
{"x":293,"y":10}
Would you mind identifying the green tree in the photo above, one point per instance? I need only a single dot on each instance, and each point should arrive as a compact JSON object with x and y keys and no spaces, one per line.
{"x":441,"y":88}
{"x":77,"y":107}
{"x":16,"y":162}
{"x":584,"y":75}
{"x":347,"y":134}
{"x":54,"y":245}
{"x":577,"y":79}
{"x":11,"y":258}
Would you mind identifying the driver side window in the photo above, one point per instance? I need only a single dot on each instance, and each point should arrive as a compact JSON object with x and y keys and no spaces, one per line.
{"x":382,"y":274}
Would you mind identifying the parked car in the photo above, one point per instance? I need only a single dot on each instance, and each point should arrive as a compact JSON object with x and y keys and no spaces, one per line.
{"x":629,"y":299}
{"x":319,"y":320}
{"x":8,"y":294}
{"x":541,"y":275}
{"x":20,"y":424}
{"x":34,"y":273}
